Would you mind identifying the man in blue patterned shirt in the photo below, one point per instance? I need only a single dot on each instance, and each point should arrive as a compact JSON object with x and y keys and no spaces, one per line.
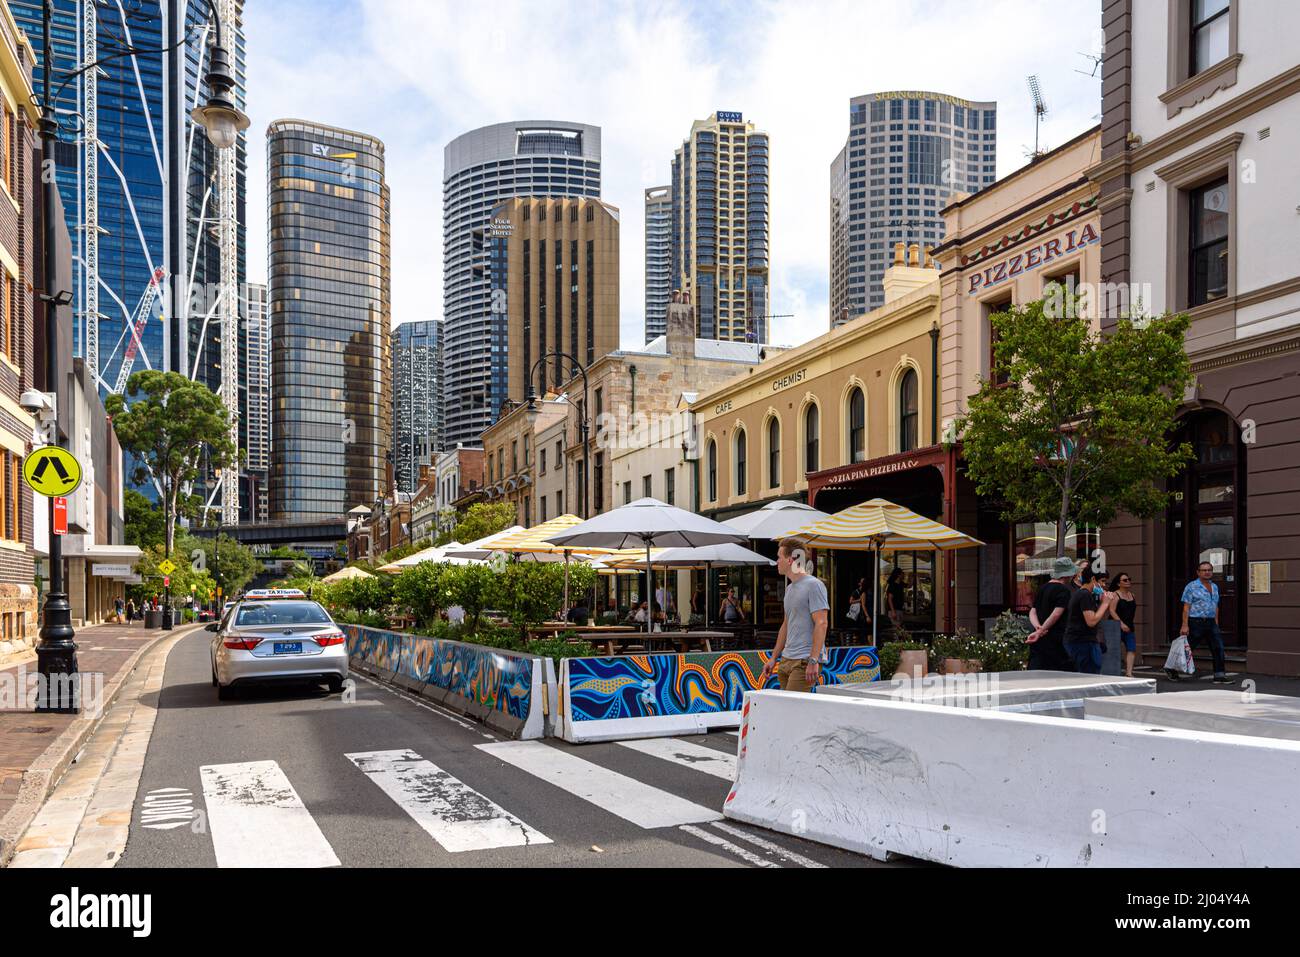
{"x":1201,"y":617}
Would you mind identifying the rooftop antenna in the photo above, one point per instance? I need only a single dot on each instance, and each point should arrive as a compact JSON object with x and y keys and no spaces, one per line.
{"x":1040,"y":107}
{"x":1096,"y":63}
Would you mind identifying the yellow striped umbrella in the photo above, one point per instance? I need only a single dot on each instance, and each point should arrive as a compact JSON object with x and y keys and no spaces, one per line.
{"x":878,"y":526}
{"x":533,"y":541}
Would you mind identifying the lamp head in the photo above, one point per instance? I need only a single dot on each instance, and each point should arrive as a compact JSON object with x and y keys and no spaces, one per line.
{"x":219,"y":116}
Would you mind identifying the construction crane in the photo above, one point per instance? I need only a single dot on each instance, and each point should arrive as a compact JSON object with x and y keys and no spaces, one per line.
{"x":229,"y":309}
{"x":137,"y":324}
{"x":90,"y":179}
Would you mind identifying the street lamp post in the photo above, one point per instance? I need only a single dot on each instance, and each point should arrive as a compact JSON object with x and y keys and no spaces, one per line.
{"x":583,"y":420}
{"x":57,"y":652}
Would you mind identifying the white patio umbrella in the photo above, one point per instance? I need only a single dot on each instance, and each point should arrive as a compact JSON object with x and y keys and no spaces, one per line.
{"x":483,"y":547}
{"x":776,"y":519}
{"x":704,"y":556}
{"x":435,"y":554}
{"x":651,"y":524}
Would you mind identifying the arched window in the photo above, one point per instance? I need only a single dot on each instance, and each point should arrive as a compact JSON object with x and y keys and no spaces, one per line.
{"x":741,"y":464}
{"x":774,"y":453}
{"x":811,"y":439}
{"x":857,"y":426}
{"x":713,"y":470}
{"x":907,"y":411}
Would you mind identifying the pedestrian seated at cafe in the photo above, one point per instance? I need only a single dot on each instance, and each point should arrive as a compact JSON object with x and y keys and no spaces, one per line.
{"x":579,"y":614}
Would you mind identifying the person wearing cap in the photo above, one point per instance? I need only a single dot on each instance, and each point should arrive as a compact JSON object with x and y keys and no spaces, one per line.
{"x":1048,"y":616}
{"x":1089,"y":605}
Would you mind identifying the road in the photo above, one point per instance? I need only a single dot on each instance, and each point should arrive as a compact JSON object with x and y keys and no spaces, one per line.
{"x":299,"y":777}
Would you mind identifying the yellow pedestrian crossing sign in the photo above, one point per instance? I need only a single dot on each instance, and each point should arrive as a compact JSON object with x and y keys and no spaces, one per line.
{"x":52,"y":471}
{"x":167,"y":566}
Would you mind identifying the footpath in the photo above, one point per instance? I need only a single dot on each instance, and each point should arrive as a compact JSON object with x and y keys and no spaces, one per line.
{"x":37,"y":749}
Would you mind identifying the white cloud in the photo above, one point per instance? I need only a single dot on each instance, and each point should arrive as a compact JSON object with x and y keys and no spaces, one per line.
{"x":418,"y":75}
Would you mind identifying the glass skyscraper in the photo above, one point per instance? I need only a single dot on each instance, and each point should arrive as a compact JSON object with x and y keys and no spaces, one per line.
{"x":481,"y":169}
{"x":720,"y":215}
{"x":255,"y":424}
{"x":328,"y":296}
{"x":156,"y":206}
{"x":416,"y":397}
{"x":907,"y":153}
{"x":658,"y":259}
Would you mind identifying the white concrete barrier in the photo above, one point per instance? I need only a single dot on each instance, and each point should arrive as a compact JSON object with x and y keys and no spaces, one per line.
{"x":1058,"y":693}
{"x":1221,"y":711}
{"x":976,"y":788}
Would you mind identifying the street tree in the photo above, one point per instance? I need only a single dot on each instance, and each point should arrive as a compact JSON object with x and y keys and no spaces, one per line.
{"x":143,"y":523}
{"x":165,"y":420}
{"x":233,"y":565}
{"x":1074,"y":426}
{"x":482,"y":519}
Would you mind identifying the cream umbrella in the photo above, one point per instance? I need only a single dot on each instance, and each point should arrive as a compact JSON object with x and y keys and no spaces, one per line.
{"x":345,"y":574}
{"x":436,"y":554}
{"x":879,"y":526}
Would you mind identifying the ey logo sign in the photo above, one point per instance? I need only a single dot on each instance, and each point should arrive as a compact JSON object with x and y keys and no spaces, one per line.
{"x":52,"y":471}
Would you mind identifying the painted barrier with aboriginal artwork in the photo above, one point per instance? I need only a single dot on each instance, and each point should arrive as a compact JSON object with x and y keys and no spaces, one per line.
{"x":656,"y":694}
{"x":501,"y":687}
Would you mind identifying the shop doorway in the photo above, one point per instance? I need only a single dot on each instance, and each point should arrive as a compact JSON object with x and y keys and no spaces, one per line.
{"x":1206,"y":521}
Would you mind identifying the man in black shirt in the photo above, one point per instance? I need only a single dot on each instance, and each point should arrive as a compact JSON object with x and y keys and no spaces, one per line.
{"x":1048,"y":616}
{"x":1088,"y":606}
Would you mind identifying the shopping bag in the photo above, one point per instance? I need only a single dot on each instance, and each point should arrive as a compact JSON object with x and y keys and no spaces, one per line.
{"x":1180,"y":657}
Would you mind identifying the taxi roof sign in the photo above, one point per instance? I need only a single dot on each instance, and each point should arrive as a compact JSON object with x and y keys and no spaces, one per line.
{"x":266,"y":593}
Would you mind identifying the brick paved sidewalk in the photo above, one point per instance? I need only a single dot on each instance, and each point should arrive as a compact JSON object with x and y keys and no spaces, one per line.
{"x":35,"y":749}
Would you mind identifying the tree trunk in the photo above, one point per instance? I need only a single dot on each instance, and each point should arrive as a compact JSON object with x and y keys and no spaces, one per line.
{"x":1062,"y":522}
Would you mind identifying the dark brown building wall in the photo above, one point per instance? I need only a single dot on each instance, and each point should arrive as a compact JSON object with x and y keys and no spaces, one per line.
{"x":1262,"y":397}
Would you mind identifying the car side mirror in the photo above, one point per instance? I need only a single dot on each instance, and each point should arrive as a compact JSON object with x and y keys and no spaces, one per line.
{"x":215,"y":626}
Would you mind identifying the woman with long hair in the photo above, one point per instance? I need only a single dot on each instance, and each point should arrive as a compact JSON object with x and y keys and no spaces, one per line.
{"x":1125,"y":611}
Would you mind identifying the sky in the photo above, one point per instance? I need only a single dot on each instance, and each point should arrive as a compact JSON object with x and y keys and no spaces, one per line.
{"x":418,"y":73}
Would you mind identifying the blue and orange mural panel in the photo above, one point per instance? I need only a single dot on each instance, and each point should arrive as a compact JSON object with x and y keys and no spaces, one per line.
{"x":643,"y":686}
{"x":494,"y":679}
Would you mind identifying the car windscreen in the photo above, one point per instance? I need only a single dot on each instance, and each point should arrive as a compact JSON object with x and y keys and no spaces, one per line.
{"x":280,"y":613}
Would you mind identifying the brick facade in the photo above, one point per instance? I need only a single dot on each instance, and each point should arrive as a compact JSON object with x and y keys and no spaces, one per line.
{"x":19,"y":203}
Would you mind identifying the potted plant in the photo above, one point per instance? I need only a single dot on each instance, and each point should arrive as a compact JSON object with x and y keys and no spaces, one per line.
{"x":903,"y":658}
{"x":957,"y":654}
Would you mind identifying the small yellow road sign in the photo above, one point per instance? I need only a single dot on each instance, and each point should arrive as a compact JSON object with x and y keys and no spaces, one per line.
{"x":52,"y":471}
{"x":167,"y":566}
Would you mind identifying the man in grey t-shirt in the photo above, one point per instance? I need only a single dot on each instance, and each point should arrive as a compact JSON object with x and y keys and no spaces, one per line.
{"x":797,"y":656}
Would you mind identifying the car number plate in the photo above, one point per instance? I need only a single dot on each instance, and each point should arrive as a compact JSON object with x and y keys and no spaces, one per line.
{"x":288,"y":647}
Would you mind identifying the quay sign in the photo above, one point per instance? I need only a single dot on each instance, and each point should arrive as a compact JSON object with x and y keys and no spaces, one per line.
{"x":729,"y":117}
{"x":1040,"y":255}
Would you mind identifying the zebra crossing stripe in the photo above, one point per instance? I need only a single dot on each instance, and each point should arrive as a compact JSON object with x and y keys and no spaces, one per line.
{"x":767,"y":845}
{"x":256,"y":818}
{"x":452,"y":813}
{"x":745,"y":855}
{"x":643,"y":805}
{"x":697,"y":756}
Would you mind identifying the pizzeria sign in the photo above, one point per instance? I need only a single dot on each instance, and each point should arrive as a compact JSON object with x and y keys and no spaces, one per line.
{"x":1040,"y":255}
